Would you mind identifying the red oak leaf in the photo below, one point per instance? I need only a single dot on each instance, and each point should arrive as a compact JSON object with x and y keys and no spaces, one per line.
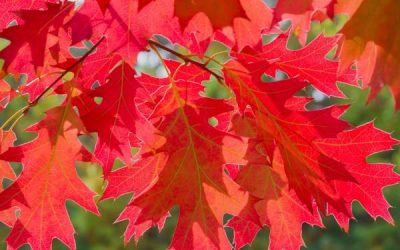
{"x":48,"y":180}
{"x":308,"y":63}
{"x":31,"y":40}
{"x":279,"y":207}
{"x":308,"y":171}
{"x":115,"y":117}
{"x":370,"y":178}
{"x":186,"y":177}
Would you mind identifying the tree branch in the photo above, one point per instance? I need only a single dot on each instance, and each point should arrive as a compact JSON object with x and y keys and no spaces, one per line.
{"x":186,"y":59}
{"x":34,"y":102}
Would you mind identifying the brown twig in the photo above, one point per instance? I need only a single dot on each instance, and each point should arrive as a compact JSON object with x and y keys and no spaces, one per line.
{"x":186,"y":59}
{"x":34,"y":102}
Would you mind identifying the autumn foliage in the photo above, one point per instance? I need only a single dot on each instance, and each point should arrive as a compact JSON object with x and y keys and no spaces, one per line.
{"x":266,"y":160}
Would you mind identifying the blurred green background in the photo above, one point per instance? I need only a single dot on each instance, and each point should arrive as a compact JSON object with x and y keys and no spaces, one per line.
{"x":99,"y":233}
